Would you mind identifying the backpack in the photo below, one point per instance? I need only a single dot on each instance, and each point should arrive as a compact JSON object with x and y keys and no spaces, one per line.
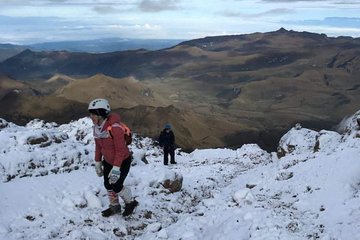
{"x":127,"y":132}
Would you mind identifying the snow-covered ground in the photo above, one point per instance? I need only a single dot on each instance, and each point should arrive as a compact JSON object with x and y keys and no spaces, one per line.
{"x":49,"y":188}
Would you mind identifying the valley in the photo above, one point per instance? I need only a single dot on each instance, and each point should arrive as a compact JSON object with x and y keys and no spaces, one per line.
{"x":216,"y":92}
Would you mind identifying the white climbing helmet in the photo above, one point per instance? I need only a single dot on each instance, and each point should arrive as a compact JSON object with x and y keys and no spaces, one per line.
{"x":99,"y":103}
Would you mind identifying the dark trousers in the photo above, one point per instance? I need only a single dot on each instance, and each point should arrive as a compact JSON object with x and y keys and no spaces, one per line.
{"x":167,"y":151}
{"x":124,"y":170}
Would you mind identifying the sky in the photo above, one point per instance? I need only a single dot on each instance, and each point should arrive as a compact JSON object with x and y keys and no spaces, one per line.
{"x":33,"y":21}
{"x":49,"y":188}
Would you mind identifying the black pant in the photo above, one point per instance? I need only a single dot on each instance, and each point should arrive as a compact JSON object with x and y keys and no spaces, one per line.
{"x":124,"y":170}
{"x":167,"y":151}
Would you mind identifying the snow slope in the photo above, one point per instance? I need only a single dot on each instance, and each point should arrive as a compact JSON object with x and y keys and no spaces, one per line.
{"x":49,"y":189}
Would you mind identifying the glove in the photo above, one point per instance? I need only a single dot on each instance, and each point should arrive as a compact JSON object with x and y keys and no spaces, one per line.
{"x":114,"y":175}
{"x":99,"y":169}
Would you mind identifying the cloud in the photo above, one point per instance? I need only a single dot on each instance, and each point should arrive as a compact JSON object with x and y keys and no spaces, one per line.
{"x":31,"y":2}
{"x":52,"y":3}
{"x":16,"y":29}
{"x":349,"y":2}
{"x":43,"y":29}
{"x":290,"y":1}
{"x":17,"y":22}
{"x":105,"y":9}
{"x":355,"y":2}
{"x":330,"y":21}
{"x":150,"y":27}
{"x":57,"y":1}
{"x":331,"y":26}
{"x":158,"y":5}
{"x":272,"y":12}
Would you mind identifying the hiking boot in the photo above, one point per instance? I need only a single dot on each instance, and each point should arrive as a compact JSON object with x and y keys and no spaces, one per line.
{"x":111,"y":211}
{"x":129,"y":208}
{"x":173,"y":162}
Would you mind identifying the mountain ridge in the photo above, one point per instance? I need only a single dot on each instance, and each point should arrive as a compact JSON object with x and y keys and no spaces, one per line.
{"x":104,"y":45}
{"x":257,"y":84}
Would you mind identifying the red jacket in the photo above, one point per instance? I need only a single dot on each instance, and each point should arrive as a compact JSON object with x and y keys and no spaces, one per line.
{"x":113,"y":148}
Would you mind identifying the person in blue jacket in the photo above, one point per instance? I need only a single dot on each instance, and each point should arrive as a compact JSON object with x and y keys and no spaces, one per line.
{"x":167,"y":142}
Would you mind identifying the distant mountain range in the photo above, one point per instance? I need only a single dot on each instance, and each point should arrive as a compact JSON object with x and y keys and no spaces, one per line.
{"x":90,"y":46}
{"x":10,"y":50}
{"x":216,"y":91}
{"x":106,"y":45}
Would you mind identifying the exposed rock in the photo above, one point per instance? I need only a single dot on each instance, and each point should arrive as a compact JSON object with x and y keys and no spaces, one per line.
{"x":175,"y":184}
{"x":250,"y":186}
{"x":3,"y":123}
{"x":144,"y":160}
{"x":326,"y":140}
{"x":282,"y":176}
{"x":297,"y":140}
{"x":280,"y":152}
{"x":37,"y":140}
{"x":252,"y":154}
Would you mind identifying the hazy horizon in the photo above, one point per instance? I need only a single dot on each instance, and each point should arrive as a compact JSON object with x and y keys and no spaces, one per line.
{"x":30,"y":21}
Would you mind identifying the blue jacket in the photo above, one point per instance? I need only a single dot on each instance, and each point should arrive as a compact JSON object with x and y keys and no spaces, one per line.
{"x":167,"y":139}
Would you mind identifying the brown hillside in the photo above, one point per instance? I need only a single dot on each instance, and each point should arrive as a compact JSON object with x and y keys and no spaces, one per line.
{"x":122,"y":93}
{"x":52,"y":84}
{"x":7,"y":85}
{"x":215,"y":91}
{"x":60,"y":78}
{"x":192,"y":130}
{"x":21,"y":108}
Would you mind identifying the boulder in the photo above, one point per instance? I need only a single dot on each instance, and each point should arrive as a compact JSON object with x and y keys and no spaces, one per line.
{"x":174,"y":184}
